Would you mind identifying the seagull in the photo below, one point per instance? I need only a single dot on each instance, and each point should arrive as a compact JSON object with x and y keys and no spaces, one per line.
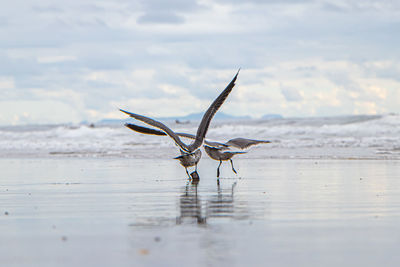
{"x":190,"y":154}
{"x":215,"y":150}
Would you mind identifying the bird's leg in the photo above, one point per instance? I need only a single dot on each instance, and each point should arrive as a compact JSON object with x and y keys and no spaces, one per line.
{"x":195,"y":168}
{"x":220,"y":162}
{"x":190,"y":177}
{"x":233,"y":169}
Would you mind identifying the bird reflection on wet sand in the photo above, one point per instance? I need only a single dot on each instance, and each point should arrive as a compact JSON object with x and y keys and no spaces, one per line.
{"x":190,"y":204}
{"x":194,"y":209}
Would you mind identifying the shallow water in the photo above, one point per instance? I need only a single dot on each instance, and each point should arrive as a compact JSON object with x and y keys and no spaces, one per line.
{"x":135,"y":212}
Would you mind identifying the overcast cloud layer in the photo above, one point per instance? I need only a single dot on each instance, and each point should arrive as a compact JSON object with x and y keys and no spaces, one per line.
{"x":68,"y":61}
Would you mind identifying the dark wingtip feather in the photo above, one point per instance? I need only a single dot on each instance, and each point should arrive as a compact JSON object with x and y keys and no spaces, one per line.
{"x":235,"y":77}
{"x":124,"y":111}
{"x":209,"y":114}
{"x":144,"y":130}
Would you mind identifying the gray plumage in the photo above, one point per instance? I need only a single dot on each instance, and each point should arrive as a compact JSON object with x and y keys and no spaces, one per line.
{"x":215,"y":150}
{"x":189,"y":159}
{"x":203,"y":126}
{"x":190,"y":156}
{"x":218,"y":153}
{"x":145,"y":130}
{"x":244,"y":143}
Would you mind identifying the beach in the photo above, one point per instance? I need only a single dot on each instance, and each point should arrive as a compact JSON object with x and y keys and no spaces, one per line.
{"x":200,"y":133}
{"x":113,"y":211}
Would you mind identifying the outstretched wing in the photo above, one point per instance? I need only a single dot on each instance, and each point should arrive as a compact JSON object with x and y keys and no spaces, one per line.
{"x":209,"y":114}
{"x":145,"y":130}
{"x":243,"y":143}
{"x":161,"y":126}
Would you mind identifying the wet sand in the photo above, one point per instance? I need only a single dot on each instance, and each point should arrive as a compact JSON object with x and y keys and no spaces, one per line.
{"x":135,"y":212}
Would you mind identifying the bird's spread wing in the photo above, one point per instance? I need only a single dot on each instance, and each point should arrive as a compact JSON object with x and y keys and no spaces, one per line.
{"x":243,"y":143}
{"x":209,"y":114}
{"x":215,"y":144}
{"x":203,"y":127}
{"x":234,"y":152}
{"x":161,"y":126}
{"x":145,"y":130}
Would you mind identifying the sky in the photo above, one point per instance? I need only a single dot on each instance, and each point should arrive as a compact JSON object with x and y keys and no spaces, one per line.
{"x":81,"y":60}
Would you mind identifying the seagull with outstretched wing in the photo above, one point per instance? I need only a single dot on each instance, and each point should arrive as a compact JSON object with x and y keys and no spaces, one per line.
{"x":190,"y":154}
{"x":215,"y":150}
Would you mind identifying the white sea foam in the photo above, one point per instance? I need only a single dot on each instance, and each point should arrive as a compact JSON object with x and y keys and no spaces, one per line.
{"x":335,"y":137}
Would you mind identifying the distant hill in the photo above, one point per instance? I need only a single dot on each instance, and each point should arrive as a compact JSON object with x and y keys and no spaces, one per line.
{"x":113,"y":121}
{"x":191,"y":117}
{"x":199,"y":116}
{"x":272,"y":116}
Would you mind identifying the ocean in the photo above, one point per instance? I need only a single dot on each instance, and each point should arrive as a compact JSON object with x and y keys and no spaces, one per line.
{"x":342,"y":137}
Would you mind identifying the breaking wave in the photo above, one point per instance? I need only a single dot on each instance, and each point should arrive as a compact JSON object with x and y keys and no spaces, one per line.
{"x":333,"y":137}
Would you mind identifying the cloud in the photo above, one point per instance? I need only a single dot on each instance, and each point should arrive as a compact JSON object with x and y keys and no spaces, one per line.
{"x":292,"y":94}
{"x":7,"y":83}
{"x":55,"y":59}
{"x":50,"y":9}
{"x":383,"y":69}
{"x":26,"y":112}
{"x":265,"y":2}
{"x":91,"y":55}
{"x":360,"y":6}
{"x":167,"y":12}
{"x":366,"y":108}
{"x":161,"y":17}
{"x":3,"y":21}
{"x":162,"y":107}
